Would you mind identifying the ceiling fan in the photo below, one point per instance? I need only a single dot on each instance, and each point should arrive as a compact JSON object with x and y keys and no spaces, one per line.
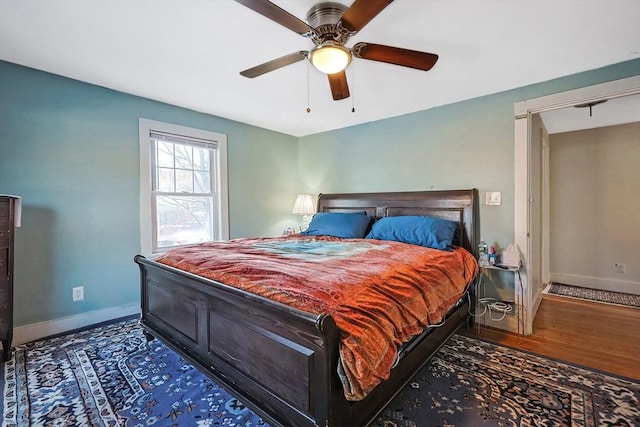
{"x":329,"y":26}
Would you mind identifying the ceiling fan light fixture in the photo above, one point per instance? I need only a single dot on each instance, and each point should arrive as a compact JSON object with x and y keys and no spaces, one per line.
{"x":330,"y":58}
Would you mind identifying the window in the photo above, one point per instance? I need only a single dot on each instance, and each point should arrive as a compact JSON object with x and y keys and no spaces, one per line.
{"x":183,"y":197}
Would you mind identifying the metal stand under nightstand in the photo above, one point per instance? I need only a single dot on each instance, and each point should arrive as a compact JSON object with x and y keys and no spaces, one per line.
{"x":520,"y":312}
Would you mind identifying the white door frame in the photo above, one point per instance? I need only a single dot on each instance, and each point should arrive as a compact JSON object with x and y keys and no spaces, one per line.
{"x":522,"y":178}
{"x":545,"y":272}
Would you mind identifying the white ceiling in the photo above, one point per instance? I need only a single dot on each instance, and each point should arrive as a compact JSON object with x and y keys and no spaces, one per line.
{"x":188,"y":53}
{"x":615,"y":111}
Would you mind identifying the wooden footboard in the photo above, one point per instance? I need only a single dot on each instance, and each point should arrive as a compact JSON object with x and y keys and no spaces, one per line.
{"x":276,"y":359}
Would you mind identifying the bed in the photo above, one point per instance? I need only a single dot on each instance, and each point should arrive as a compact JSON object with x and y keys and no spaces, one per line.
{"x":282,"y":361}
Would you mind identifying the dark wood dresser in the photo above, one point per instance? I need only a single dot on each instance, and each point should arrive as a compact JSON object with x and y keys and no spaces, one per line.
{"x":7,"y":228}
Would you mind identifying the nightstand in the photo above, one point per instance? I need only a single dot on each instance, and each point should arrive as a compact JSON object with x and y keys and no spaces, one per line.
{"x":518,"y":307}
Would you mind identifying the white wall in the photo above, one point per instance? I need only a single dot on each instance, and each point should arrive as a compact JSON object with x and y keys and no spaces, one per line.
{"x":595,"y":207}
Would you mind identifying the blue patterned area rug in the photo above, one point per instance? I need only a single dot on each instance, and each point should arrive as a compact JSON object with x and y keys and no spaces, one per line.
{"x":110,"y":376}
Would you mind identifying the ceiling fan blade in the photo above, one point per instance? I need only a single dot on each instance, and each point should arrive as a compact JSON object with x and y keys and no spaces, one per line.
{"x":395,"y":55}
{"x":339,"y":86}
{"x":361,"y":12}
{"x":277,"y":14}
{"x":274,"y":64}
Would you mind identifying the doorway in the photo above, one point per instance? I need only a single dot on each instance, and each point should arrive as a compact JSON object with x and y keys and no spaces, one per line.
{"x":531,"y":196}
{"x":594,"y":219}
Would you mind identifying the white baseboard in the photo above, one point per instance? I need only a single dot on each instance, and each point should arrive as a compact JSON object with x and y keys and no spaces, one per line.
{"x":597,"y":283}
{"x":35,"y":331}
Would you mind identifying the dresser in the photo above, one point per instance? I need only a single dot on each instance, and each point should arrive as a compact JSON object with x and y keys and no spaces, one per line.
{"x":7,"y":228}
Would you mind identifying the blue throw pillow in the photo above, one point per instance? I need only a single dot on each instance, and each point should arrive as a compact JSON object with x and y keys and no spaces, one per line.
{"x":347,"y":225}
{"x":426,"y":231}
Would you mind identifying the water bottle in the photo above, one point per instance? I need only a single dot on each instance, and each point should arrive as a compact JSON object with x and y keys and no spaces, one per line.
{"x":483,"y":253}
{"x":492,"y":255}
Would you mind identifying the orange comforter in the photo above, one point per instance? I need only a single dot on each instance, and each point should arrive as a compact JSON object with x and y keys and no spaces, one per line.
{"x":379,"y":293}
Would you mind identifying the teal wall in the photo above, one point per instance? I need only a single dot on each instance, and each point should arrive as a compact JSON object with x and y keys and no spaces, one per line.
{"x":468,"y":144}
{"x":71,"y":150}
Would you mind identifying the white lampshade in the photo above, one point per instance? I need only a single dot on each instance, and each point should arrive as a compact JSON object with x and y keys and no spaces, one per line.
{"x":330,"y":58}
{"x":304,"y":205}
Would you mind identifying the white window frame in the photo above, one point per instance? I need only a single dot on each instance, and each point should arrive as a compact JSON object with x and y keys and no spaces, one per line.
{"x":146,"y":127}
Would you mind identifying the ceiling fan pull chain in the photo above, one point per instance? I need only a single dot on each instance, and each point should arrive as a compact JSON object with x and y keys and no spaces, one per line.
{"x":353,"y":91}
{"x":308,"y":106}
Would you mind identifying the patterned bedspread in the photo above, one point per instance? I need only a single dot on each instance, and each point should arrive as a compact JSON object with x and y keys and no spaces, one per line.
{"x":379,"y":293}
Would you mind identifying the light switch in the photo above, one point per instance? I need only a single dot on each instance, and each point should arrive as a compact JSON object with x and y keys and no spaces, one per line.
{"x":493,"y":198}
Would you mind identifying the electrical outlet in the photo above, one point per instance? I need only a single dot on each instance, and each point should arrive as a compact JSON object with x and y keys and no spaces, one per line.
{"x":78,"y":293}
{"x":619,"y":267}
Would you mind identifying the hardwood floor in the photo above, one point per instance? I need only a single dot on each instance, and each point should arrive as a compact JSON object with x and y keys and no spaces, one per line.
{"x":601,"y":336}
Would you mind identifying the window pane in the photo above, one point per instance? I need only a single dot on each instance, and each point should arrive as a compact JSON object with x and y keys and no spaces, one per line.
{"x":166,"y":180}
{"x":184,"y":181}
{"x":202,"y":182}
{"x":184,"y":156}
{"x":184,"y":220}
{"x":165,"y":154}
{"x":201,"y":158}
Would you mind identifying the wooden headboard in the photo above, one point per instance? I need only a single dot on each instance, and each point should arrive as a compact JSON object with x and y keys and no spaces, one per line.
{"x":455,"y":205}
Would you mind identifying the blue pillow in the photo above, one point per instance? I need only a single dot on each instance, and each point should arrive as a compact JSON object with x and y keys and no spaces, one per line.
{"x":347,"y":225}
{"x":426,"y":231}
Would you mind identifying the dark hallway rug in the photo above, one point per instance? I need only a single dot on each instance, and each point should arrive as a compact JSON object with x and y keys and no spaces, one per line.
{"x":109,"y":376}
{"x":609,"y":297}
